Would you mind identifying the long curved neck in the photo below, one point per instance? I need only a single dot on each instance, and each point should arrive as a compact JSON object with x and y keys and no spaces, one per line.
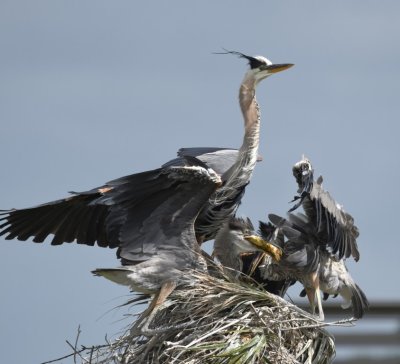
{"x":247,"y":101}
{"x":238,"y":176}
{"x":251,"y":116}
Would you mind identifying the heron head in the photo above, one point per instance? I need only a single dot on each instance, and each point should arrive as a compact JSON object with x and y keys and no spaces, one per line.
{"x":231,"y":237}
{"x":241,"y":237}
{"x":261,"y":67}
{"x":303,"y":172}
{"x":235,"y":232}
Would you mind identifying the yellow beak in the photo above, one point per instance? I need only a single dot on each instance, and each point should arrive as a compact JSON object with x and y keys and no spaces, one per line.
{"x":274,"y":68}
{"x":270,"y":249}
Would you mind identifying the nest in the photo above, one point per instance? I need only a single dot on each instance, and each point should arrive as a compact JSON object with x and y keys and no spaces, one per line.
{"x":217,"y":319}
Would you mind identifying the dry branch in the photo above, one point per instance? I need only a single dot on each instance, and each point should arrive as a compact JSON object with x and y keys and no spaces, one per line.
{"x":224,"y":321}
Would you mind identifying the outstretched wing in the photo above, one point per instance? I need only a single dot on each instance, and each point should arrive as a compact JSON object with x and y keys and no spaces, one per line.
{"x":77,"y":217}
{"x":80,"y":217}
{"x":166,"y":218}
{"x":335,"y":227}
{"x":126,"y":213}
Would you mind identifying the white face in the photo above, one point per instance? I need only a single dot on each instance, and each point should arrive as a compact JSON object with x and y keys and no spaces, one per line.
{"x":261,"y":68}
{"x":265,"y":73}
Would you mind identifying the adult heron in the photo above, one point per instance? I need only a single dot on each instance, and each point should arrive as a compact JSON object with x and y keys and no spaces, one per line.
{"x":151,"y":216}
{"x":234,"y":166}
{"x":148,"y":216}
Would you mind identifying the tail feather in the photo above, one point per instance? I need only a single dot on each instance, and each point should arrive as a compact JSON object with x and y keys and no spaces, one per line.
{"x":359,"y":301}
{"x":117,"y":275}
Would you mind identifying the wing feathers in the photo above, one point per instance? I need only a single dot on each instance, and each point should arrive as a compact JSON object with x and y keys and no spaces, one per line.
{"x":65,"y":219}
{"x":359,"y":301}
{"x":335,"y":228}
{"x":136,"y":212}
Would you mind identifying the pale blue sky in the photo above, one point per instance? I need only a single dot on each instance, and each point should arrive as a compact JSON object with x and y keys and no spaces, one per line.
{"x":94,"y":90}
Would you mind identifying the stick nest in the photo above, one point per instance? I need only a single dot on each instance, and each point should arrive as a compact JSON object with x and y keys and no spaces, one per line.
{"x":217,"y":319}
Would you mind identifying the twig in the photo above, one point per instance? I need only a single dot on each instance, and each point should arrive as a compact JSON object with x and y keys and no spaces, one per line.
{"x":76,"y":352}
{"x":76,"y":341}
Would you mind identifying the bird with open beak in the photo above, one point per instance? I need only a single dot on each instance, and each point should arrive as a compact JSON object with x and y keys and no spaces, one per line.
{"x":237,"y":238}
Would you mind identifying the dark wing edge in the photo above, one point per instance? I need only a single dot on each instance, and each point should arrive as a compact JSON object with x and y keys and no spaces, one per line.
{"x":80,"y":217}
{"x":335,"y":227}
{"x":359,"y":301}
{"x":165,"y":221}
{"x":67,"y":219}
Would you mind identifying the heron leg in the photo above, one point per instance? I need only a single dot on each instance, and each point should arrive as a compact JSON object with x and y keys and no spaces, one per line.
{"x":159,"y":298}
{"x":311,"y":298}
{"x":314,"y":292}
{"x":319,"y":301}
{"x":149,"y":314}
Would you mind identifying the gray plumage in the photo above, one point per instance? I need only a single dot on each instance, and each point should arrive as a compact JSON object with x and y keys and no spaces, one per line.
{"x":299,"y":257}
{"x":121,"y":213}
{"x":230,"y":243}
{"x":335,"y":227}
{"x":307,"y":259}
{"x":235,"y":252}
{"x":148,"y":216}
{"x":236,"y":171}
{"x":218,"y":159}
{"x":334,"y":278}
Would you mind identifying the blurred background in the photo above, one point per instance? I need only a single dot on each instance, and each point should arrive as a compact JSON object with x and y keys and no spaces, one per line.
{"x":93,"y":90}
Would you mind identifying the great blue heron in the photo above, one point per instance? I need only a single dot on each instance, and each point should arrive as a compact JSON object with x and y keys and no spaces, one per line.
{"x":150,"y":216}
{"x":237,"y":246}
{"x":235,"y":239}
{"x":316,"y":244}
{"x":235,"y":167}
{"x":306,"y":258}
{"x":335,"y":227}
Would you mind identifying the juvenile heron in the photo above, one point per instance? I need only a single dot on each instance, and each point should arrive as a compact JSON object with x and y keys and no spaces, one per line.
{"x":335,"y":227}
{"x":316,"y":243}
{"x":306,"y":258}
{"x":238,"y":247}
{"x":235,"y":239}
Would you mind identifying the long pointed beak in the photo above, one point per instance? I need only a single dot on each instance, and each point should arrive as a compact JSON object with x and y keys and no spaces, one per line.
{"x":270,"y":249}
{"x":274,"y":68}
